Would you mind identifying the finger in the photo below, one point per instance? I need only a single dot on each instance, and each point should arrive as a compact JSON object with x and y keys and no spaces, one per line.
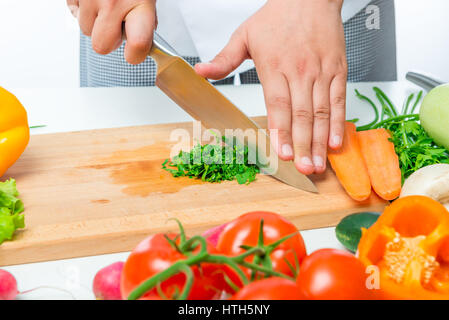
{"x":232,"y":55}
{"x":87,"y":14}
{"x":302,"y":123}
{"x":320,"y":123}
{"x":279,"y":110}
{"x":140,"y":24}
{"x":107,"y":31}
{"x":337,"y":111}
{"x":74,"y":7}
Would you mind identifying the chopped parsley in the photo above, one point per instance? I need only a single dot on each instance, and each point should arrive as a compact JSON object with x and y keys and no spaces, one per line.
{"x":214,"y":163}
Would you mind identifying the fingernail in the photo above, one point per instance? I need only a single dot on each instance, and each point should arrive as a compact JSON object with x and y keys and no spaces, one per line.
{"x":305,"y":161}
{"x":287,"y":150}
{"x":336,"y":140}
{"x":318,"y":162}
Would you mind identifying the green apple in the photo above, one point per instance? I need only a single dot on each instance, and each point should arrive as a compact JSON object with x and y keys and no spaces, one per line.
{"x":434,"y":114}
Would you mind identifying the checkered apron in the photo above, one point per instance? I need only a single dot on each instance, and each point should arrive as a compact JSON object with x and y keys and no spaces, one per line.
{"x":371,"y":55}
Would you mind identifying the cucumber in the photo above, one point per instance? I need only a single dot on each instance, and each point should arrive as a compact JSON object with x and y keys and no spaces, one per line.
{"x":349,"y":230}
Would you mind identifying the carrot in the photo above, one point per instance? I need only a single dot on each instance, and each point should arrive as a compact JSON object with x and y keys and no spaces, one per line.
{"x":350,"y":167}
{"x":382,"y":162}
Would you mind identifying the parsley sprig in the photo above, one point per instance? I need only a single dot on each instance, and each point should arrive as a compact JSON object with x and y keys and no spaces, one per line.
{"x":414,"y":147}
{"x":214,"y":163}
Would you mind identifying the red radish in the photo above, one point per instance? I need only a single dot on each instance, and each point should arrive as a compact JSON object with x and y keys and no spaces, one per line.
{"x":8,"y":286}
{"x":213,"y":234}
{"x":107,"y":282}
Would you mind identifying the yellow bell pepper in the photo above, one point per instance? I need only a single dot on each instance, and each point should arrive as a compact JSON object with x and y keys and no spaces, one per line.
{"x":14,"y":130}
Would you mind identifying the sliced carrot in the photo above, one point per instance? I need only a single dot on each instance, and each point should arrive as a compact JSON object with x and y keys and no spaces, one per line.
{"x":350,"y":167}
{"x":382,"y":162}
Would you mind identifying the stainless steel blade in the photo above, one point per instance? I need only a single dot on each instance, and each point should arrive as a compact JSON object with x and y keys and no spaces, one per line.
{"x":422,"y":80}
{"x":179,"y":81}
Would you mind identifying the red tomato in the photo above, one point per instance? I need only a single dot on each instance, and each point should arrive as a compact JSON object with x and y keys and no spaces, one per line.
{"x":269,"y":289}
{"x":150,"y":298}
{"x":330,"y":274}
{"x":155,"y":254}
{"x":245,"y":231}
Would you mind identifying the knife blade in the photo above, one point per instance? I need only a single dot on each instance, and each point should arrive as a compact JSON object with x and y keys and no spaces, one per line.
{"x":201,"y":100}
{"x":422,"y":80}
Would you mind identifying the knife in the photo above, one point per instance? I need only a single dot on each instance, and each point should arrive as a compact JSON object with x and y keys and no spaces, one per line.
{"x":425,"y":82}
{"x":201,"y":100}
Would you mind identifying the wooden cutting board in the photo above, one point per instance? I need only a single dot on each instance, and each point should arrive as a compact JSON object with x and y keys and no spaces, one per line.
{"x":102,"y":191}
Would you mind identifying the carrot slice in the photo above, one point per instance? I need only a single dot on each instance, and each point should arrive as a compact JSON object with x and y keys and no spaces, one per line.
{"x":382,"y":162}
{"x":350,"y":167}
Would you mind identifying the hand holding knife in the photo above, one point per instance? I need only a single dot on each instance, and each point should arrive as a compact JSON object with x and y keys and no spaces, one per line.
{"x":179,"y":81}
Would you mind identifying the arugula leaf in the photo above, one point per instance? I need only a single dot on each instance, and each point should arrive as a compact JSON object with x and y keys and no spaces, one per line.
{"x":10,"y":208}
{"x":214,"y":163}
{"x":414,"y":147}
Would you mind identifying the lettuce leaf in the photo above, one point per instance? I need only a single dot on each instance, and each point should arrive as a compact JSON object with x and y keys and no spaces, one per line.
{"x":10,"y":208}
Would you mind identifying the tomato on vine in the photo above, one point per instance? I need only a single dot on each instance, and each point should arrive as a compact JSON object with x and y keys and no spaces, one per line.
{"x":273,"y":288}
{"x":330,"y":274}
{"x":282,"y":246}
{"x":154,"y":255}
{"x":170,"y":266}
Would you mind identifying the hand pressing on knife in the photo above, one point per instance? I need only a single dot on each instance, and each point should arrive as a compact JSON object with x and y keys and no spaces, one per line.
{"x":102,"y":21}
{"x":299,"y":51}
{"x":298,"y":47}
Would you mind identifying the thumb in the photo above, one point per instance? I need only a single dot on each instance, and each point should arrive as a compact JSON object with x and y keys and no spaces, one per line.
{"x":233,"y":54}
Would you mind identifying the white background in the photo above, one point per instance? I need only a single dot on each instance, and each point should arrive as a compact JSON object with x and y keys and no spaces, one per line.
{"x":39,"y":42}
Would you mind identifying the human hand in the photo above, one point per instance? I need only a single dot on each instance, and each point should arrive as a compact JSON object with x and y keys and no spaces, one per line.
{"x":102,"y":20}
{"x":298,"y":47}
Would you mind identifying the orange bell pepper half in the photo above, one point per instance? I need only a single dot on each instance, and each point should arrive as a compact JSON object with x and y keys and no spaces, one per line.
{"x":14,"y":130}
{"x":409,"y":244}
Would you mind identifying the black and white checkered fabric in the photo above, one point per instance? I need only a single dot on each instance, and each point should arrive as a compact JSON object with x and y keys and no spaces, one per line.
{"x":371,"y":55}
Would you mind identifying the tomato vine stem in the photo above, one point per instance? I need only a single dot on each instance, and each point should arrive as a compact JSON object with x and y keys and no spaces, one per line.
{"x":260,"y":252}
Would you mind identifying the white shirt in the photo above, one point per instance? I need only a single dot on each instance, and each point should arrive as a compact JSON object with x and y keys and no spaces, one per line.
{"x":201,"y":28}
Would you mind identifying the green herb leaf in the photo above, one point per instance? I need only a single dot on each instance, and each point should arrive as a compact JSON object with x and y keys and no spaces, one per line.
{"x":414,"y":147}
{"x":214,"y":163}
